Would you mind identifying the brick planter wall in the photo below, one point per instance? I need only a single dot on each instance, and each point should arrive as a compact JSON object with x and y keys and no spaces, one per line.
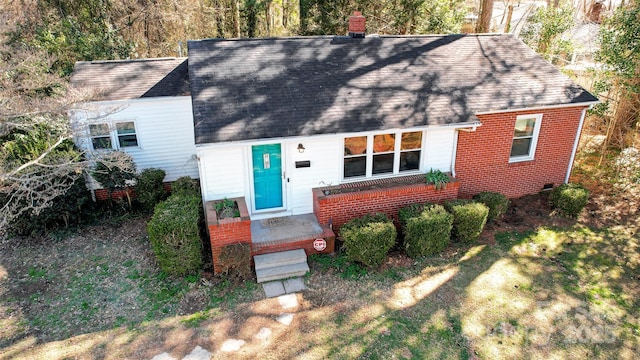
{"x":340,"y":208}
{"x":227,"y":231}
{"x":103,"y":194}
{"x":482,"y":158}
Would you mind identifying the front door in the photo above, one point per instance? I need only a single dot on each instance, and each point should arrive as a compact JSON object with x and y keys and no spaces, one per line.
{"x":267,"y":176}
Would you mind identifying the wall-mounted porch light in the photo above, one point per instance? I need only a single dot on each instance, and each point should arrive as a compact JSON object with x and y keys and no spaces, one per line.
{"x":301,"y":148}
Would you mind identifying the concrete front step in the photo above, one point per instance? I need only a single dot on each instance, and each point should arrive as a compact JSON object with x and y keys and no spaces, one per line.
{"x":282,"y":272}
{"x":281,"y":265}
{"x":279,"y":259}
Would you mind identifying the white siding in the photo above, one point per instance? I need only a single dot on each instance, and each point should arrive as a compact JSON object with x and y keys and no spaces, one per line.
{"x":439,"y":149}
{"x":225,"y":169}
{"x":164,"y":128}
{"x":325,"y":155}
{"x":223,"y":173}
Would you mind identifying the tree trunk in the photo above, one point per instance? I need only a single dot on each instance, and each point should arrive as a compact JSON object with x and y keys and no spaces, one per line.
{"x":236,"y":18}
{"x":507,"y":26}
{"x":484,"y":20}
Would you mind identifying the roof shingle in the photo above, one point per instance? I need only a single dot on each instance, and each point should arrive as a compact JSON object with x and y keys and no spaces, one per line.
{"x":267,"y":88}
{"x":131,"y":79}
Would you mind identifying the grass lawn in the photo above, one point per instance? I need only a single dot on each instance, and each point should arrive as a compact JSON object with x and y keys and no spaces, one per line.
{"x":547,"y":293}
{"x":534,"y":287}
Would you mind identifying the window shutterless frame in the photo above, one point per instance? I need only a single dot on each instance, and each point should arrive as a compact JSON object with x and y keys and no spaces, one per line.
{"x":525,"y":137}
{"x":113,"y":135}
{"x":382,"y":154}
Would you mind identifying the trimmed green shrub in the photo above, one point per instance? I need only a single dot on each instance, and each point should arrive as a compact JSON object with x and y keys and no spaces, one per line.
{"x":150,"y":189}
{"x":368,"y":239}
{"x":175,"y":234}
{"x":428,"y":232}
{"x":469,"y":218}
{"x":497,"y":203}
{"x":185,"y":184}
{"x":410,"y":211}
{"x":569,"y":199}
{"x":235,"y":259}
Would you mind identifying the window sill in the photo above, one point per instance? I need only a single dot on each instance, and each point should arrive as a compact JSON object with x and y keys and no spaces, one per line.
{"x":521,"y":162}
{"x":381,"y":176}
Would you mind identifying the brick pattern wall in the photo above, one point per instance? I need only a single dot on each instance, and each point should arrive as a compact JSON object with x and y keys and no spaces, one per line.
{"x":304,"y":243}
{"x":103,"y":194}
{"x":482,"y":159}
{"x":227,"y":231}
{"x":340,"y":208}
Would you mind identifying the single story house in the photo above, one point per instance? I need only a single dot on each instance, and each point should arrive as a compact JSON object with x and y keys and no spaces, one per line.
{"x":275,"y":118}
{"x":271,"y":121}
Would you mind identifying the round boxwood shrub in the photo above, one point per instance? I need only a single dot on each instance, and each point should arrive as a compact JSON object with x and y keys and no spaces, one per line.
{"x":469,"y":218}
{"x":150,"y":189}
{"x":175,"y":234}
{"x":569,"y":199}
{"x":368,"y":239}
{"x":496,"y":202}
{"x":428,"y":232}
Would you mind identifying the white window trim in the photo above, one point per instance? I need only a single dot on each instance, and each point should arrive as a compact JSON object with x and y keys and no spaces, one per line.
{"x":534,"y":139}
{"x":114,"y":136}
{"x":396,"y":155}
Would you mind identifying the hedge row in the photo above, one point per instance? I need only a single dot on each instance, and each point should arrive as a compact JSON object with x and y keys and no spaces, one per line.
{"x":427,"y":228}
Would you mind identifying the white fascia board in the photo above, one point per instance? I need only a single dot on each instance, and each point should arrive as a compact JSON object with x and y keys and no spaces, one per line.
{"x":302,"y":138}
{"x":537,"y":108}
{"x":79,"y":106}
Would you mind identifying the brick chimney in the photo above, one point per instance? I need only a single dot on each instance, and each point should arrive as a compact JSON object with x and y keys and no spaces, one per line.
{"x":356,"y":25}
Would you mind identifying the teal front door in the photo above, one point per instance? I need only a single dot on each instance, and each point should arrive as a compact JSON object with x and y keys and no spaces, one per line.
{"x":267,"y":176}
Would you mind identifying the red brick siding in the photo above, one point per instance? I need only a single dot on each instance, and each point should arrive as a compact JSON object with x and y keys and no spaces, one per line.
{"x":340,"y":208}
{"x":482,"y":159}
{"x":227,"y":231}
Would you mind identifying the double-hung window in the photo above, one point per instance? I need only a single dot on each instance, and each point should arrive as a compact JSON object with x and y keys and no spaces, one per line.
{"x":525,"y":137}
{"x":100,"y":136}
{"x":114,"y":136}
{"x":380,"y":154}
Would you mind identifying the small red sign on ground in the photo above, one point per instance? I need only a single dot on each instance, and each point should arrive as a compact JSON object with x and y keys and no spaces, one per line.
{"x":319,"y":244}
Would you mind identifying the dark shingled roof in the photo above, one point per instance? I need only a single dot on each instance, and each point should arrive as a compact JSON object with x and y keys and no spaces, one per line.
{"x":266,"y":88}
{"x":132,"y":79}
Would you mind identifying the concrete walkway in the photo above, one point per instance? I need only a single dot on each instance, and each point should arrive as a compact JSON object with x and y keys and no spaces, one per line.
{"x":287,"y":300}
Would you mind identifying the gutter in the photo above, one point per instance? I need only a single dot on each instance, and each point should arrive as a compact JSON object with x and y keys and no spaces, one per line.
{"x":542,"y":107}
{"x":575,"y":143}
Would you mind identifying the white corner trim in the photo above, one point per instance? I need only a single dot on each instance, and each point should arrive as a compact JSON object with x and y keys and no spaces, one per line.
{"x":575,"y":144}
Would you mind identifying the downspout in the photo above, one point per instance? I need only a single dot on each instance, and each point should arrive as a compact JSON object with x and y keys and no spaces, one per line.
{"x":575,"y":143}
{"x":454,"y":155}
{"x":455,"y":147}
